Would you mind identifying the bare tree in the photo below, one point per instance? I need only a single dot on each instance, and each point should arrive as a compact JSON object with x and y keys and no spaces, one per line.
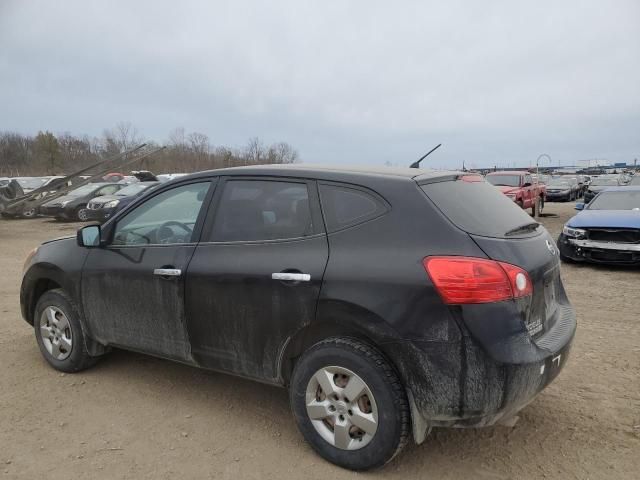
{"x":124,"y":136}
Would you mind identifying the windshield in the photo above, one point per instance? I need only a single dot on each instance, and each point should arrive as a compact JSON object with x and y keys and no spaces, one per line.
{"x":31,"y":183}
{"x":604,"y":181}
{"x":504,"y":180}
{"x":557,"y":182}
{"x":131,"y":190}
{"x":618,"y":200}
{"x":84,"y":190}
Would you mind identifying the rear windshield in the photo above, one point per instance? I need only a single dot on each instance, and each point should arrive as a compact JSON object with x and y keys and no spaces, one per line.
{"x":504,"y":180}
{"x":604,"y":181}
{"x":477,"y":207}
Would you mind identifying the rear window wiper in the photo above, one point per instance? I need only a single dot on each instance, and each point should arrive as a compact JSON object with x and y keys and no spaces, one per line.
{"x":527,"y":227}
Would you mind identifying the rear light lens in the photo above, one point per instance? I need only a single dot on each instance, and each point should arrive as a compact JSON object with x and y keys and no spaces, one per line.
{"x":465,"y":280}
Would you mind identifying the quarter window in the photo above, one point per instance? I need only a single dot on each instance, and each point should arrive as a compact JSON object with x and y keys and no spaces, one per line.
{"x":345,"y":206}
{"x":167,"y":218}
{"x":253,"y":210}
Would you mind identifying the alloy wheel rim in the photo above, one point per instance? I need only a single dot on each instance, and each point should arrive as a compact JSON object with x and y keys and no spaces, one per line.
{"x":341,"y":408}
{"x":55,"y":332}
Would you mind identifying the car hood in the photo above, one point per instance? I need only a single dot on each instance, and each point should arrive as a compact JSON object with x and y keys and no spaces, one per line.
{"x":606,"y":219}
{"x":556,"y":188}
{"x":599,"y":188}
{"x":505,"y":189}
{"x":106,"y":198}
{"x":64,"y":198}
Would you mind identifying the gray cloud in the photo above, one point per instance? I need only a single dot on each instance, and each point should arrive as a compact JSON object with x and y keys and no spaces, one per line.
{"x":361,"y":82}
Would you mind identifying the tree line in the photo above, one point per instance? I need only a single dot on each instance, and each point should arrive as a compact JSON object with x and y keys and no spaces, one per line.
{"x":57,"y":154}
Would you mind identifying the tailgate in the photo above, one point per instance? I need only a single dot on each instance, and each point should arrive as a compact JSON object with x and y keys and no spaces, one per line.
{"x":537,"y":255}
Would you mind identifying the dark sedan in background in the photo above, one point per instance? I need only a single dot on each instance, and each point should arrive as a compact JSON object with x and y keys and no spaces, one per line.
{"x":73,"y":205}
{"x":607,"y":230}
{"x":562,"y":189}
{"x":104,"y":207}
{"x":598,"y":184}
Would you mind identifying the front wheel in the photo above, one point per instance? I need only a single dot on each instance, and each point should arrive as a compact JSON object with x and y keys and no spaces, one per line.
{"x":82,"y":214}
{"x":59,"y":333}
{"x":349,"y":404}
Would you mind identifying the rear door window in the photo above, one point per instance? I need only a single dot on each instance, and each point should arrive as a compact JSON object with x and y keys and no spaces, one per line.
{"x":254,"y":210}
{"x":346,"y":206}
{"x":477,"y":207}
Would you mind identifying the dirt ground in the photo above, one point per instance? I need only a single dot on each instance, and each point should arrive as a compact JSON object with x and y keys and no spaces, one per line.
{"x":137,"y":417}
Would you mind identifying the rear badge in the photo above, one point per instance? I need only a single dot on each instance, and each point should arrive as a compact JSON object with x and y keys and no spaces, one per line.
{"x":534,"y":327}
{"x":551,"y":248}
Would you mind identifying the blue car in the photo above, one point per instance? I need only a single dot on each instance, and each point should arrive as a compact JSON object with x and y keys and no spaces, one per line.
{"x":607,"y":230}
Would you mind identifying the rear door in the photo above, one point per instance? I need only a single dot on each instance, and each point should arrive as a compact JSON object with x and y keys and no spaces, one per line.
{"x":255,"y":278}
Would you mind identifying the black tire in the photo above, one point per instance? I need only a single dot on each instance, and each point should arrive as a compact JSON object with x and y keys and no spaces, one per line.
{"x":80,"y":214}
{"x":78,"y":358}
{"x":30,"y":213}
{"x":520,"y":204}
{"x":394,"y":421}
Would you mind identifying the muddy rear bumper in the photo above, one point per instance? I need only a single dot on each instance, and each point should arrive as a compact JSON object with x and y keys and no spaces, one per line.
{"x":460,"y":384}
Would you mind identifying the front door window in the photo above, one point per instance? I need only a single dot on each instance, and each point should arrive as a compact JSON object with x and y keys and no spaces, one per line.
{"x":167,"y":218}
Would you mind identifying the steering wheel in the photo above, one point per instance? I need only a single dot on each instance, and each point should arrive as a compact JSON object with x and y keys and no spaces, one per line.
{"x":165,"y":232}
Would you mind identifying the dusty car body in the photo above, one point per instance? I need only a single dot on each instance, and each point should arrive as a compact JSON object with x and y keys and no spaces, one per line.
{"x":600,"y":184}
{"x":607,"y":230}
{"x":563,"y":189}
{"x":72,"y":206}
{"x":374,"y":296}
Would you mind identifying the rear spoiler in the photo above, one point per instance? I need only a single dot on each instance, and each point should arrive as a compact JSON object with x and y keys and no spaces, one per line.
{"x":426,"y":179}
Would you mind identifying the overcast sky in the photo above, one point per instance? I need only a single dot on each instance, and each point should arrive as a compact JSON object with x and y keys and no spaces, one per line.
{"x":342,"y":81}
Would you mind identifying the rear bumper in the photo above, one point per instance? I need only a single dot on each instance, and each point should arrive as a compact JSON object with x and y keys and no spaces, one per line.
{"x":460,"y":384}
{"x":599,"y":252}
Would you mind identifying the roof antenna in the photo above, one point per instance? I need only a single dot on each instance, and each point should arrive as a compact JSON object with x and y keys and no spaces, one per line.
{"x":416,"y":164}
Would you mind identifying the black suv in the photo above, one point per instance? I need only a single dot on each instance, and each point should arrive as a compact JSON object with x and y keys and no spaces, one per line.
{"x":388,"y":301}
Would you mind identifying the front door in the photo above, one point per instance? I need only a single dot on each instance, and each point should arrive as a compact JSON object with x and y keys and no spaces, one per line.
{"x":255,"y":277}
{"x":133,"y":288}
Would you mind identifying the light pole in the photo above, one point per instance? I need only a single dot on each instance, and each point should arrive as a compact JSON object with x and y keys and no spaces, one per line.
{"x":538,"y":165}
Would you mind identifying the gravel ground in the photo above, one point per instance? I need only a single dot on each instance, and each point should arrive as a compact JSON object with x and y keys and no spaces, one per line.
{"x":139,"y":417}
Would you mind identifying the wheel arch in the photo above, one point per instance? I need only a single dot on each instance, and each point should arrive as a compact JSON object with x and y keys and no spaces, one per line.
{"x":345,"y":326}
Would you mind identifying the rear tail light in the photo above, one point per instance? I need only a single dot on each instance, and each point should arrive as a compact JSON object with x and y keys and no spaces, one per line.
{"x":463,"y":280}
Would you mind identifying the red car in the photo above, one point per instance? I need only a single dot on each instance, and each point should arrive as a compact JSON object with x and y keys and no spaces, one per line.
{"x":521,"y":188}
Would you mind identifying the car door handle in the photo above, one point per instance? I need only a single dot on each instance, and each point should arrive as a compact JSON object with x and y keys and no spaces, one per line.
{"x":292,"y":277}
{"x":167,"y":272}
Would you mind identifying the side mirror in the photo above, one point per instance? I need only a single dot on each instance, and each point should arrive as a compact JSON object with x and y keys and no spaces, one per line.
{"x":579,"y":206}
{"x":526,"y":184}
{"x":89,"y":236}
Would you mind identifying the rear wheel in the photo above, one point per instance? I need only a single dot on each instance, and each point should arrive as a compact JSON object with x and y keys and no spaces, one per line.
{"x":520,"y":204}
{"x":349,"y":404}
{"x":59,"y":333}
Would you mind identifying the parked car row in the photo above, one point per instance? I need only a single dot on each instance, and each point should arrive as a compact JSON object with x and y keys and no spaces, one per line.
{"x":93,"y":201}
